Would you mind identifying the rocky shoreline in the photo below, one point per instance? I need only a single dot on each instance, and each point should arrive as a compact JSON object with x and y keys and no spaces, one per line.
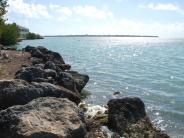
{"x":44,"y":100}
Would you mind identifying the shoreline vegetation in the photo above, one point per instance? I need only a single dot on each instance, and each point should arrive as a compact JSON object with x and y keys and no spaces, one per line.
{"x":44,"y":99}
{"x":101,"y":36}
{"x":11,"y":33}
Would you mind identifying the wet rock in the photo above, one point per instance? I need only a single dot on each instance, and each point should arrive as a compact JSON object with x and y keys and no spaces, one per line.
{"x":50,"y":65}
{"x":80,"y":79}
{"x":42,"y":118}
{"x":18,"y":92}
{"x":64,"y":67}
{"x":72,"y":80}
{"x":116,"y":93}
{"x":124,"y":111}
{"x":127,"y":116}
{"x":65,"y":79}
{"x":94,"y":126}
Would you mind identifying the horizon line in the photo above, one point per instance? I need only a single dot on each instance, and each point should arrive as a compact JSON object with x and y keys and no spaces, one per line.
{"x":86,"y":35}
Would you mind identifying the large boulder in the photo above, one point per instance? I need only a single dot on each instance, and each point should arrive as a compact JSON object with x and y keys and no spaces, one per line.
{"x":127,"y":116}
{"x":64,"y":67}
{"x":18,"y":92}
{"x":72,"y":80}
{"x":28,"y":48}
{"x":80,"y":79}
{"x":42,"y":118}
{"x":35,"y":60}
{"x":37,"y":53}
{"x":35,"y":73}
{"x":45,"y":54}
{"x":50,"y":65}
{"x":30,"y":74}
{"x":50,"y":73}
{"x":65,"y":79}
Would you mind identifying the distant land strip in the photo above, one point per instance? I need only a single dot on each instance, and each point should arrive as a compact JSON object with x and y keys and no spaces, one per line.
{"x":101,"y":36}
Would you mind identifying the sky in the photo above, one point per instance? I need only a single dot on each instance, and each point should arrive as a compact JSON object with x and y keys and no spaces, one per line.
{"x":164,"y":18}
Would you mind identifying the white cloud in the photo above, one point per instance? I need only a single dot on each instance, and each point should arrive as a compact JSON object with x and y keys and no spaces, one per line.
{"x":29,"y":10}
{"x":160,"y":6}
{"x":59,"y":12}
{"x":164,"y":7}
{"x":92,"y":12}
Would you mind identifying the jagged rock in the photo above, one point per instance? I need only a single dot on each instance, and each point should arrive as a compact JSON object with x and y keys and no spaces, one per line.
{"x":18,"y":92}
{"x":94,"y":125}
{"x":28,"y":48}
{"x":35,"y":74}
{"x":35,"y":60}
{"x":127,"y":116}
{"x":30,"y":74}
{"x":65,"y":79}
{"x":1,"y":46}
{"x":80,"y":79}
{"x":43,"y":49}
{"x":41,"y":66}
{"x":42,"y":118}
{"x":50,"y":65}
{"x":37,"y":53}
{"x":72,"y":80}
{"x":45,"y":54}
{"x":64,"y":67}
{"x":50,"y":73}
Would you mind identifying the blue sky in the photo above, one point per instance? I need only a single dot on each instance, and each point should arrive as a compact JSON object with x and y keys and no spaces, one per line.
{"x":137,"y":17}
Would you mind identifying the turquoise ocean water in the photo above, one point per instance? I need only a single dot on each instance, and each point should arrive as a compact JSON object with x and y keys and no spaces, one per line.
{"x":150,"y":68}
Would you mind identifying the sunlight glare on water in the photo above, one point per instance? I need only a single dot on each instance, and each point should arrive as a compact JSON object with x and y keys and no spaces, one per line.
{"x":150,"y":68}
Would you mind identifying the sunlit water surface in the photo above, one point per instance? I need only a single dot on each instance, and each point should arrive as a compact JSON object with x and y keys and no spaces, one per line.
{"x":150,"y":68}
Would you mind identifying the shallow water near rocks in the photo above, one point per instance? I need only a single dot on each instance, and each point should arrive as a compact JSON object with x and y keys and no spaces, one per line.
{"x":150,"y":68}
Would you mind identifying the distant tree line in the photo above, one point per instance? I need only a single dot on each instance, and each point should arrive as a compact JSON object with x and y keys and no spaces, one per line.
{"x":33,"y":36}
{"x":9,"y":33}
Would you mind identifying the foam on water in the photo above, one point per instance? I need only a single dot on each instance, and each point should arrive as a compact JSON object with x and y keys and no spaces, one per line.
{"x":150,"y":68}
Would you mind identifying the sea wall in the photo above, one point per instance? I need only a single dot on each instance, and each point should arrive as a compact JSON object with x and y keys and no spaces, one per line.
{"x":44,"y":100}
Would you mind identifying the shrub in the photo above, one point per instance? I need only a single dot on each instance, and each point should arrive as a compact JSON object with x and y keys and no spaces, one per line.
{"x":33,"y":36}
{"x":9,"y":34}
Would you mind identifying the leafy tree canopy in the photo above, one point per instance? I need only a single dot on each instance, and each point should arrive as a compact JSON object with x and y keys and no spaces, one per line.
{"x":3,"y":6}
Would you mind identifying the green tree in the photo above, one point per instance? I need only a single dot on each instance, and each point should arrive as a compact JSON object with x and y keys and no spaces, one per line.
{"x":33,"y":36}
{"x":3,"y":6}
{"x":10,"y":34}
{"x":1,"y":27}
